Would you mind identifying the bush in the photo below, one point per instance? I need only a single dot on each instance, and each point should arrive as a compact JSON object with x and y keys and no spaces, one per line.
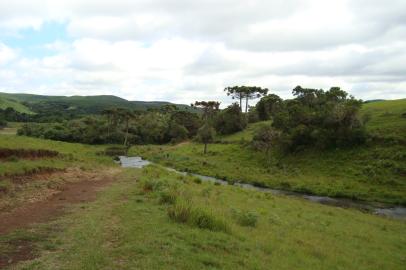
{"x":315,"y":118}
{"x":245,"y":218}
{"x":230,"y":120}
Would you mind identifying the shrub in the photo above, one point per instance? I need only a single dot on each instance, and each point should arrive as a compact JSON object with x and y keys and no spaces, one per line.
{"x":245,"y":218}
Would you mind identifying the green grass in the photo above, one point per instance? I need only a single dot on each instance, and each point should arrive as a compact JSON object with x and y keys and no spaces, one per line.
{"x":8,"y":103}
{"x":129,"y":228}
{"x":374,"y":172}
{"x":72,"y":154}
{"x":386,"y":118}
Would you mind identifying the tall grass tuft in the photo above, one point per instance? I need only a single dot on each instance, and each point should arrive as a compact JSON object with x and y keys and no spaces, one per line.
{"x":245,"y":218}
{"x":185,"y":212}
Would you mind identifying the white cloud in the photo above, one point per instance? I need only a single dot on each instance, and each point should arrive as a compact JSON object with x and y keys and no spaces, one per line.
{"x":182,"y":50}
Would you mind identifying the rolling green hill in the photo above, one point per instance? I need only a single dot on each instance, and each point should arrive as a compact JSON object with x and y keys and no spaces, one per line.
{"x":388,"y":118}
{"x":79,"y":104}
{"x":17,"y":106}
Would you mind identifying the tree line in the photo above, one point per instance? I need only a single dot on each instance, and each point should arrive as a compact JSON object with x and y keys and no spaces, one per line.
{"x":312,"y":118}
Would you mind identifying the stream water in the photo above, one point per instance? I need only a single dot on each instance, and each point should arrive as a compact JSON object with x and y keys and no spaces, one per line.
{"x":398,"y":212}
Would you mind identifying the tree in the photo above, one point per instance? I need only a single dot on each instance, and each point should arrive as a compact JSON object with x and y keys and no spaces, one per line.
{"x":245,"y":92}
{"x":230,"y":120}
{"x":127,"y":116}
{"x":321,"y":119}
{"x":177,"y":132}
{"x":236,"y":92}
{"x":189,"y":120}
{"x":209,"y":108}
{"x":206,"y":135}
{"x":266,"y":138}
{"x":267,"y":106}
{"x":109,"y":113}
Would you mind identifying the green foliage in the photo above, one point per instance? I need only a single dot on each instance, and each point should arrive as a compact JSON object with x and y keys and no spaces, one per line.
{"x":266,"y":138}
{"x":117,"y":126}
{"x":245,"y":92}
{"x":268,"y":106}
{"x":230,"y":120}
{"x":178,"y":133}
{"x":189,"y":120}
{"x":206,"y":135}
{"x":319,"y":119}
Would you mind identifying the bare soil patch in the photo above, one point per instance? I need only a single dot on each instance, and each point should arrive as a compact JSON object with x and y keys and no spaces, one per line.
{"x":80,"y":187}
{"x":6,"y":153}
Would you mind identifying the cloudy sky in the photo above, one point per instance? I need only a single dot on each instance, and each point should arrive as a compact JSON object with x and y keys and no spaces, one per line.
{"x":186,"y":50}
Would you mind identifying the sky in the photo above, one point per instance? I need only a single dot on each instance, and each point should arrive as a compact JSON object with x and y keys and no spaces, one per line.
{"x":187,"y":50}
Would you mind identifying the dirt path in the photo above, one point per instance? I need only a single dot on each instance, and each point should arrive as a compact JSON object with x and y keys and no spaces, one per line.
{"x":48,"y":209}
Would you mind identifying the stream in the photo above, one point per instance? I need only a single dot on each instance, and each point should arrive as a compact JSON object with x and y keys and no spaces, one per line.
{"x":397,"y":212}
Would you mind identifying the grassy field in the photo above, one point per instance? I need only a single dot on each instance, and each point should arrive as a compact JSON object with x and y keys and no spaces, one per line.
{"x":375,"y":172}
{"x":386,"y":118}
{"x":6,"y":103}
{"x":168,"y":221}
{"x":71,"y":154}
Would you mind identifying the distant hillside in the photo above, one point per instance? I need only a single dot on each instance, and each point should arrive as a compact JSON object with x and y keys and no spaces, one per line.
{"x":76,"y":104}
{"x":387,"y":118}
{"x":17,"y":106}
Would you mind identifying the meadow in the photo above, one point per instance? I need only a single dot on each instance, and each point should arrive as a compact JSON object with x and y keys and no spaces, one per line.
{"x":155,"y":219}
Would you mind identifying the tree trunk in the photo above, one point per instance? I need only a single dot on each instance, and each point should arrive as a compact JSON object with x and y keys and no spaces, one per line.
{"x":108,"y":127}
{"x":246,"y":104}
{"x":126,"y":133}
{"x":205,"y":148}
{"x":241,"y":103}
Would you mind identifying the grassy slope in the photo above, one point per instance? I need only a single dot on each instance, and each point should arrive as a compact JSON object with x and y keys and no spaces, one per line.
{"x":127,"y":228}
{"x":374,"y":173}
{"x":6,"y":103}
{"x":14,"y":193}
{"x":386,"y":117}
{"x":72,"y":155}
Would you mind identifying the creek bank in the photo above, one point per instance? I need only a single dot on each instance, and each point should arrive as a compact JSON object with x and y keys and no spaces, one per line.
{"x":397,"y":212}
